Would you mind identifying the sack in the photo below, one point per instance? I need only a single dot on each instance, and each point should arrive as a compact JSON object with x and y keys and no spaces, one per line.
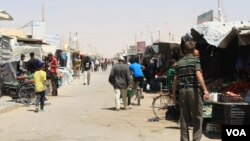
{"x":172,"y":113}
{"x":130,"y":93}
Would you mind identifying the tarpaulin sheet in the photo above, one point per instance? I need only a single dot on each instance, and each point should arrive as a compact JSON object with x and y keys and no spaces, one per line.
{"x":5,"y":49}
{"x":17,"y":51}
{"x":220,"y":34}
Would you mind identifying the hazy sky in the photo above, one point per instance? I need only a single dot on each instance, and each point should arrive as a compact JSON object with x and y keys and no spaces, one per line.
{"x":109,"y":26}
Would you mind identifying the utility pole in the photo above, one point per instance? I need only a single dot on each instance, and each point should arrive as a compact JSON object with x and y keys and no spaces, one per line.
{"x":135,"y":39}
{"x":219,"y":10}
{"x":159,"y":35}
{"x":141,"y":35}
{"x":166,"y":33}
{"x":169,"y":35}
{"x":42,"y":6}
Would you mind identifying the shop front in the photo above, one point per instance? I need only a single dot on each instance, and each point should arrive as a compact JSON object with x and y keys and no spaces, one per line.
{"x":225,"y":60}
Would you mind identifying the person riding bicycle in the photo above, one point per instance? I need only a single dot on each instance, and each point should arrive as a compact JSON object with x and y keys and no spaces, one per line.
{"x":136,"y":71}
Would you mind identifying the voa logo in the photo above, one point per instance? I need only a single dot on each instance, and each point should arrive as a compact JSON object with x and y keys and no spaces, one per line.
{"x":236,"y":132}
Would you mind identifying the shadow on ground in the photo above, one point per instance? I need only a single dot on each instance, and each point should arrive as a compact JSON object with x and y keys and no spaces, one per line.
{"x":173,"y":127}
{"x":212,"y":135}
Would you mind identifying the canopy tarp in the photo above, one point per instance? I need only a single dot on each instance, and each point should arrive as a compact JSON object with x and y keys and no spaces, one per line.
{"x":17,"y":51}
{"x":164,"y":47}
{"x":5,"y":16}
{"x":12,"y":32}
{"x":12,"y":52}
{"x":5,"y":49}
{"x":220,"y":34}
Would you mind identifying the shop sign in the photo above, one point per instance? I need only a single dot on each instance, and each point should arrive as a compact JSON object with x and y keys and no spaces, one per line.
{"x":132,"y":50}
{"x":141,"y":46}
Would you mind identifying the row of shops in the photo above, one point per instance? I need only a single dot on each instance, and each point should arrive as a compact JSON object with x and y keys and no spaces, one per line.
{"x":224,"y":49}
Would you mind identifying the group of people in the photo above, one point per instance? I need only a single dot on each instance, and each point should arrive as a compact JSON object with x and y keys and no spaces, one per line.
{"x":40,"y":71}
{"x":82,"y":64}
{"x":184,"y":76}
{"x":121,"y":76}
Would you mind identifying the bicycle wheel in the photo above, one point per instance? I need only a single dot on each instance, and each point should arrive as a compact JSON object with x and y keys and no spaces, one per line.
{"x":160,"y":105}
{"x":27,"y":94}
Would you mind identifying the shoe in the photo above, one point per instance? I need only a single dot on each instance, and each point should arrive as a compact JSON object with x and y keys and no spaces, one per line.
{"x":84,"y":83}
{"x":117,"y":109}
{"x":37,"y":109}
{"x":126,"y":108}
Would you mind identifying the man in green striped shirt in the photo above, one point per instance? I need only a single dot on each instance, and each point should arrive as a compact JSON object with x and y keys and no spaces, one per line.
{"x":188,"y":76}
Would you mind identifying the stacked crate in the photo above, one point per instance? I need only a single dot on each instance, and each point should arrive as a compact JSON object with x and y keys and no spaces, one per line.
{"x":237,"y":114}
{"x":231,"y":114}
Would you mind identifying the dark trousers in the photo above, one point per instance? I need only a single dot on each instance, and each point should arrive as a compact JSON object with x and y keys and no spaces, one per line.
{"x":54,"y":82}
{"x":40,"y":99}
{"x":190,"y":102}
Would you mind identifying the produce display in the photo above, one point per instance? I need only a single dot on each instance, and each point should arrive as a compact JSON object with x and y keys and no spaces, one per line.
{"x":232,"y":97}
{"x":238,"y":87}
{"x":235,"y":92}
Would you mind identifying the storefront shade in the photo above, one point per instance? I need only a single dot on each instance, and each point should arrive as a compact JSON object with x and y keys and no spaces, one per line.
{"x":221,"y":34}
{"x":223,"y":47}
{"x":4,"y":16}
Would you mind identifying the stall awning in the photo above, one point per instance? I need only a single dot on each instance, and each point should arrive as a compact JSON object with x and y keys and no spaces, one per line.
{"x":220,"y":34}
{"x":5,"y":16}
{"x":164,"y":47}
{"x":30,"y":41}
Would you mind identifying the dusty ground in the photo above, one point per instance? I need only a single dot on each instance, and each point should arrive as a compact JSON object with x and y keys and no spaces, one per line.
{"x":85,"y":113}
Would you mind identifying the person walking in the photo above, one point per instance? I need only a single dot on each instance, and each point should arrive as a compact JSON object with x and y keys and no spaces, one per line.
{"x":21,"y":66}
{"x":53,"y":65}
{"x":31,"y":64}
{"x":151,"y":72}
{"x":120,"y":79}
{"x":40,"y":87}
{"x":187,"y":77}
{"x":86,"y":66}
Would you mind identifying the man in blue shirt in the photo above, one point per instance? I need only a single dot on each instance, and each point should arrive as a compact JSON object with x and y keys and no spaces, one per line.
{"x":136,"y":70}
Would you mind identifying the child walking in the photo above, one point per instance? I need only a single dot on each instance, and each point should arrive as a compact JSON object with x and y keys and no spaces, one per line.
{"x":40,"y":87}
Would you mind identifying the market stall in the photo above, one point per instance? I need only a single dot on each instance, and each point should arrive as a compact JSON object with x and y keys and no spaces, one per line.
{"x":156,"y":61}
{"x":225,"y":61}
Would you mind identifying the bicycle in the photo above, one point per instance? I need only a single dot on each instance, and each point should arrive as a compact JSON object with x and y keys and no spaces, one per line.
{"x":138,"y":94}
{"x":26,"y":92}
{"x":160,"y":104}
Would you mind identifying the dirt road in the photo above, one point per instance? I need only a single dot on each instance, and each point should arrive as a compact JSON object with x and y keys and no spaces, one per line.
{"x":85,"y":113}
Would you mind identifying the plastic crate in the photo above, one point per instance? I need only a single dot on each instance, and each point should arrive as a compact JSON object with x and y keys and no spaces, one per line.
{"x":231,"y":114}
{"x":237,"y":120}
{"x":235,"y":110}
{"x":218,"y":112}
